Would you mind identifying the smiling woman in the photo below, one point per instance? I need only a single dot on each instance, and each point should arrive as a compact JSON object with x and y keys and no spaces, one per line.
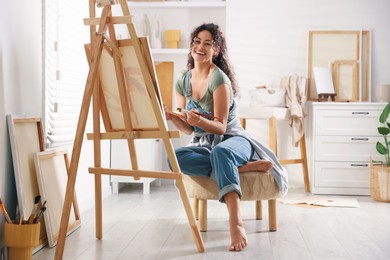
{"x":220,"y":147}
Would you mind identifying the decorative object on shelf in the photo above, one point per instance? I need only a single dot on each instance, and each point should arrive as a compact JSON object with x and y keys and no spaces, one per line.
{"x":146,"y":0}
{"x":382,"y":93}
{"x":379,"y":170}
{"x":173,"y":38}
{"x":102,"y":3}
{"x":324,"y":84}
{"x":146,"y":26}
{"x":156,"y":33}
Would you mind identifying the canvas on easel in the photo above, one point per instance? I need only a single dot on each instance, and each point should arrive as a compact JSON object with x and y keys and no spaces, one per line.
{"x":123,"y":86}
{"x":137,"y":97}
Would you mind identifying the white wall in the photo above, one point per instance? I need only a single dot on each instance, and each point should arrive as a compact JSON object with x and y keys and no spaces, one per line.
{"x":21,"y":92}
{"x":20,"y":81}
{"x":268,"y":40}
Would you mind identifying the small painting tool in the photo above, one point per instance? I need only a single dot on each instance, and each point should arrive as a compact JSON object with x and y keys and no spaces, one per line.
{"x":200,"y":114}
{"x":32,"y":216}
{"x":38,"y":218}
{"x":40,"y":212}
{"x":7,"y":218}
{"x":17,"y":214}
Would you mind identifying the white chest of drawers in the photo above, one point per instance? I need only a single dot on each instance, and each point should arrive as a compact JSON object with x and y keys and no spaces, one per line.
{"x":343,"y":137}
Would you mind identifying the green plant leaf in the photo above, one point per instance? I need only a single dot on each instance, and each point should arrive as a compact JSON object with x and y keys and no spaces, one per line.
{"x":383,"y":130}
{"x":381,"y":148}
{"x":385,"y":114}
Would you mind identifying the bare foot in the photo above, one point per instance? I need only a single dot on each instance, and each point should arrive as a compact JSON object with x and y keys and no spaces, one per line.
{"x":256,"y":166}
{"x":238,"y":237}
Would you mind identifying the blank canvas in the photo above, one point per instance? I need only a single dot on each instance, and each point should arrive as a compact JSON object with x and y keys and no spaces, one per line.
{"x":26,"y":138}
{"x":52,"y":175}
{"x":323,"y":80}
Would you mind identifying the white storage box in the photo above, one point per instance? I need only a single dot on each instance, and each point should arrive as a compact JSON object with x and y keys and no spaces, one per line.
{"x":267,"y":97}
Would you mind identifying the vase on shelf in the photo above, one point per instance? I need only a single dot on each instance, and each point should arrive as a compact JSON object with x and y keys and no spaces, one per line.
{"x":146,"y":26}
{"x":156,"y":33}
{"x":382,"y":93}
{"x":173,"y":38}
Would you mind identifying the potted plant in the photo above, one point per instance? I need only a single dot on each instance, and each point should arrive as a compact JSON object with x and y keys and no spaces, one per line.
{"x":380,"y":170}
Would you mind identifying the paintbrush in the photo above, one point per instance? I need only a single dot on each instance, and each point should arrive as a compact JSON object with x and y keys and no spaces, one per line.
{"x":21,"y":218}
{"x":40,"y":212}
{"x":32,"y":216}
{"x":7,"y":218}
{"x":17,"y":214}
{"x":199,"y":114}
{"x":38,"y":218}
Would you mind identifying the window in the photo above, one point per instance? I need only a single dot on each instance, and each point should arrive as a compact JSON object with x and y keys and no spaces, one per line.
{"x":65,"y":67}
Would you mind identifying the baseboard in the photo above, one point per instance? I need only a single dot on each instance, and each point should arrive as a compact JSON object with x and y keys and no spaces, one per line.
{"x":90,"y":201}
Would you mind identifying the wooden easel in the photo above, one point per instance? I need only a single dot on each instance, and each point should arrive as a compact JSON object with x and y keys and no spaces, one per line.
{"x":110,"y":46}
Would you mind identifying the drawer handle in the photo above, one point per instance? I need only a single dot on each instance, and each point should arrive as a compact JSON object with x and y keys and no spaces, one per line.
{"x":359,"y":165}
{"x":359,"y":139}
{"x":360,"y":113}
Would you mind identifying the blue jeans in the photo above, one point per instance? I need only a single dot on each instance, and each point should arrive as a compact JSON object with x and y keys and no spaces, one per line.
{"x":221,"y":164}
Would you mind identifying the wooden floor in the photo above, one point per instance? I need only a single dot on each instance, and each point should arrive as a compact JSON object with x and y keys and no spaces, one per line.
{"x":154,"y":226}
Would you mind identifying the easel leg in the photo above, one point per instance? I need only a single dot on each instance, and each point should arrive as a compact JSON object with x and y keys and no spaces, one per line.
{"x":97,"y":162}
{"x":273,"y":135}
{"x":305,"y":171}
{"x":195,"y":208}
{"x":190,"y":214}
{"x":70,"y":187}
{"x":98,"y":206}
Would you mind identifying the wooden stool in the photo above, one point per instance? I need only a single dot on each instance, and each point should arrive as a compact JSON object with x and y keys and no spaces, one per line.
{"x":273,"y":114}
{"x":255,"y":186}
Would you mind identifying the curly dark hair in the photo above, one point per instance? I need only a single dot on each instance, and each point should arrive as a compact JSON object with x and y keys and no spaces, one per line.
{"x":222,"y":59}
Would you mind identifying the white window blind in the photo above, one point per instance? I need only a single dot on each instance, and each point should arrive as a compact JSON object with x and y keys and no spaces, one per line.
{"x":65,"y":68}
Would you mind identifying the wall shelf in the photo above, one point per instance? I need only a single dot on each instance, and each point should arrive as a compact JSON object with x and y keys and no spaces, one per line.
{"x":176,"y":4}
{"x":170,"y":51}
